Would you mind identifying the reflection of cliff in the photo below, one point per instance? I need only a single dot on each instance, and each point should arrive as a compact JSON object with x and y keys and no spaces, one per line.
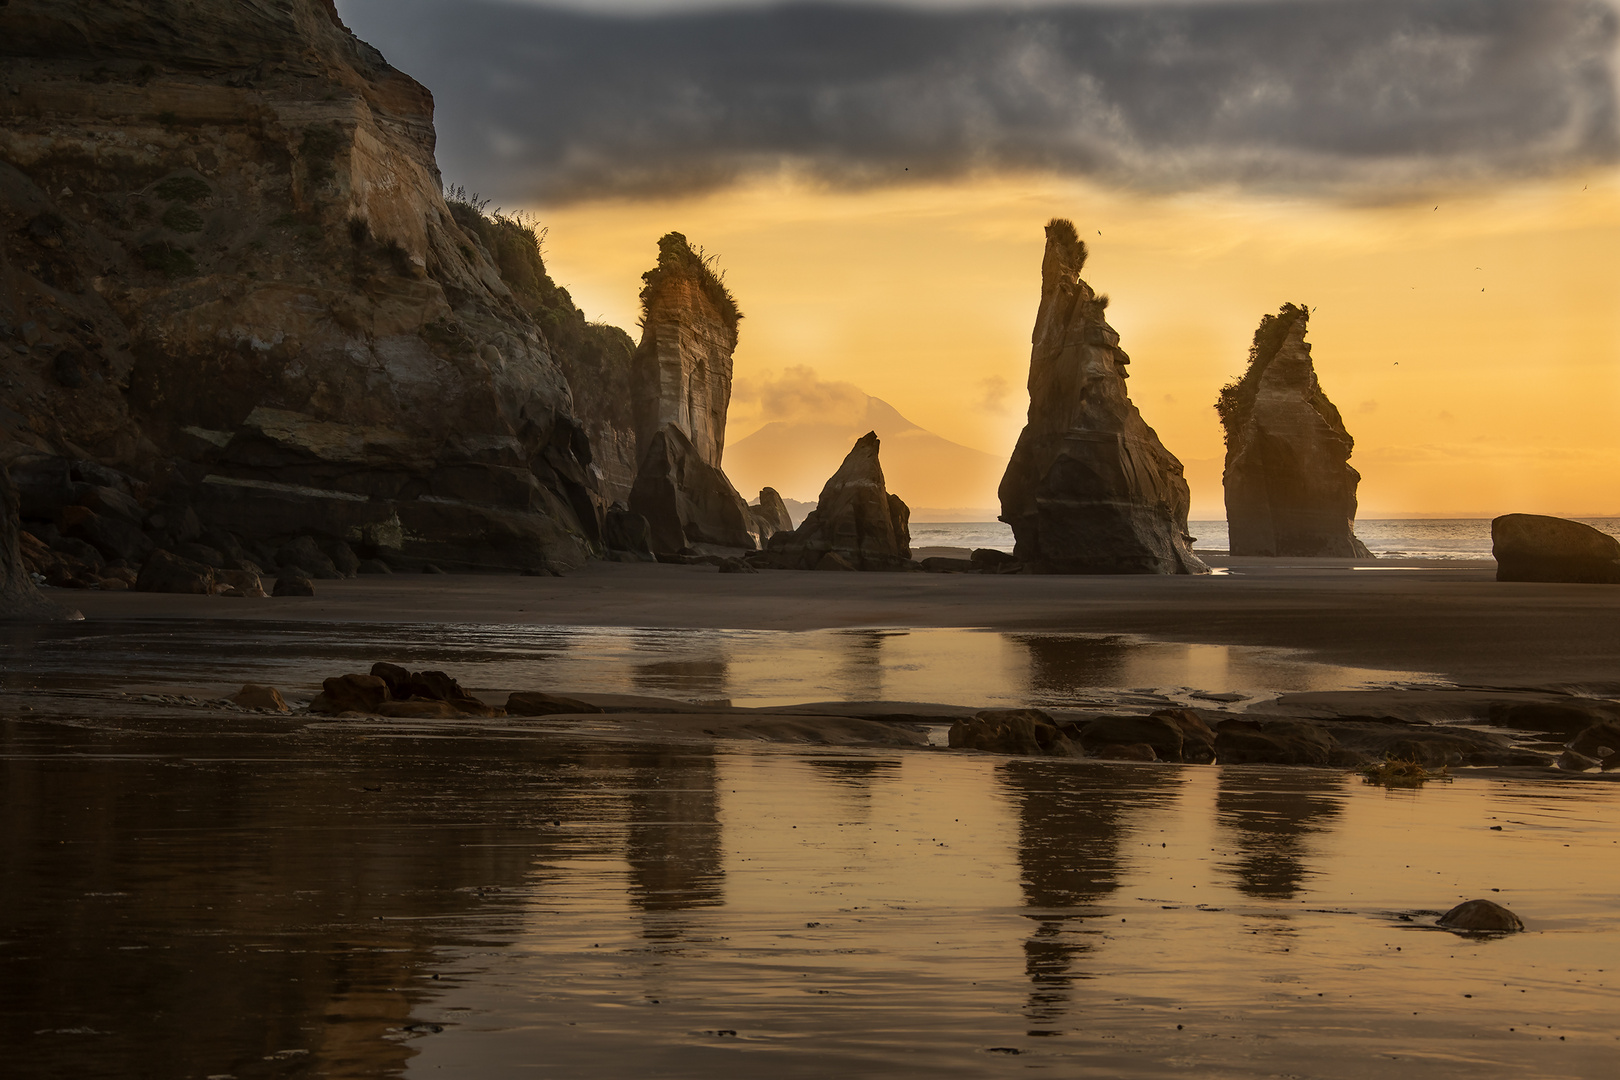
{"x":251,"y":898}
{"x":1272,"y":827}
{"x":1060,"y":663}
{"x":673,"y":839}
{"x":1069,"y":832}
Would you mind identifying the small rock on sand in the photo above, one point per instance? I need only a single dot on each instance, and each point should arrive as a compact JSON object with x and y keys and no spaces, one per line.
{"x":291,"y":583}
{"x":1481,"y":916}
{"x":259,"y":696}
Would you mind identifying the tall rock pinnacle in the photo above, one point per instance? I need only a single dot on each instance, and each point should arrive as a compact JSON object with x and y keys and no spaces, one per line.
{"x":1290,"y":490}
{"x":681,"y":383}
{"x":1089,"y":489}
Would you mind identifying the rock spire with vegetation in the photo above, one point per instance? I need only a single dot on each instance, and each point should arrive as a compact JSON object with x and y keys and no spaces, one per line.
{"x":1089,"y":489}
{"x":1290,"y":490}
{"x":681,"y":391}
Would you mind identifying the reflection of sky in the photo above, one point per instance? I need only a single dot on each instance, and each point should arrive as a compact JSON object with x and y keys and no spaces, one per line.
{"x":749,"y":667}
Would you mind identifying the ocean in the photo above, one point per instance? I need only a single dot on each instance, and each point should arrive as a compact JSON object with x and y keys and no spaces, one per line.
{"x":1403,"y":538}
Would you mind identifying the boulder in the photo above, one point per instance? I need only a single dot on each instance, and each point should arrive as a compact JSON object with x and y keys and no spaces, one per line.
{"x":1012,"y":731}
{"x":855,"y":519}
{"x":1481,"y":916}
{"x":1089,"y":489}
{"x":1160,"y":733}
{"x":259,"y":696}
{"x":1599,"y":742}
{"x":1290,"y":490}
{"x":293,"y":583}
{"x":402,"y":685}
{"x":940,"y":564}
{"x":993,"y":561}
{"x":19,"y":598}
{"x":628,"y":533}
{"x":306,"y":555}
{"x":686,"y":500}
{"x":736,"y":566}
{"x":116,"y":538}
{"x":350,"y":693}
{"x":167,"y":572}
{"x":240,"y":582}
{"x":535,"y":703}
{"x":419,"y":709}
{"x":770,"y":515}
{"x":1532,"y":547}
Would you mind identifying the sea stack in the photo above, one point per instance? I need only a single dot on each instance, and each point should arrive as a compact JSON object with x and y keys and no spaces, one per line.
{"x":770,"y":514}
{"x":681,"y":381}
{"x":1290,"y":490}
{"x":856,"y":525}
{"x":1089,"y":489}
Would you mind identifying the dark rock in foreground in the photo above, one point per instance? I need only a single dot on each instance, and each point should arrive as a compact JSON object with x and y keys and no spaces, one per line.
{"x":856,"y":525}
{"x":1481,"y":916}
{"x":1089,"y":489}
{"x":1290,"y":490}
{"x":1532,"y":547}
{"x":1028,"y":732}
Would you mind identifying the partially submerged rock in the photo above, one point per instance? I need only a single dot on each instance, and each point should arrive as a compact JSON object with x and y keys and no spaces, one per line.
{"x":1089,"y":489}
{"x":1029,"y":732}
{"x":390,"y":690}
{"x":536,"y":703}
{"x":1481,"y":916}
{"x":856,"y":524}
{"x":1290,"y":490}
{"x":1533,"y":547}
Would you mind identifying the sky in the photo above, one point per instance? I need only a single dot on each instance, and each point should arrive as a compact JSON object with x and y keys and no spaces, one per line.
{"x":1438,"y":179}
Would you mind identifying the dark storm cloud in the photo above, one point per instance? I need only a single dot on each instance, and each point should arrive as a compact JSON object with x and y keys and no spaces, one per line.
{"x":1366,"y":98}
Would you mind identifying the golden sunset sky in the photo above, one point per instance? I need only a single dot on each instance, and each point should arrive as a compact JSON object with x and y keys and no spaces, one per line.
{"x":1438,"y":180}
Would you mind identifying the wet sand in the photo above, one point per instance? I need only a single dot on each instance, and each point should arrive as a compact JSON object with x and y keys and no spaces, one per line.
{"x":1452,"y":619}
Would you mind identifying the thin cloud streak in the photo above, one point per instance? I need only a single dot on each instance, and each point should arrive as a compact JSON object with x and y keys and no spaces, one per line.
{"x":1366,"y":99}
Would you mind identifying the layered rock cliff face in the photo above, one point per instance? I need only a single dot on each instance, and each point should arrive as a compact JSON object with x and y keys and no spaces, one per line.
{"x":681,"y":389}
{"x":1089,"y":489}
{"x":228,"y":271}
{"x":856,"y":525}
{"x":1290,"y":490}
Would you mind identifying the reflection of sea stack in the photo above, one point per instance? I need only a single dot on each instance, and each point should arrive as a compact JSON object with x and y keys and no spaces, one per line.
{"x":1089,"y":489}
{"x":856,"y":525}
{"x":1290,"y":490}
{"x":682,"y":388}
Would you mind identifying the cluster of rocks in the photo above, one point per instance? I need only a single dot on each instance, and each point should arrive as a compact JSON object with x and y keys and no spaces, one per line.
{"x":1188,"y":736}
{"x":1290,"y":490}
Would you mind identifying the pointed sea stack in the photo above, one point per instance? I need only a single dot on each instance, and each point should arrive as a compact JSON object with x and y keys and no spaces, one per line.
{"x":856,"y":524}
{"x":1089,"y":489}
{"x":681,"y":381}
{"x":1290,"y":490}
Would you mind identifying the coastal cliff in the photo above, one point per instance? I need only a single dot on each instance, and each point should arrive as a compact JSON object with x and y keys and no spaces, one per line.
{"x":1089,"y":489}
{"x":1290,"y":490}
{"x":229,"y":274}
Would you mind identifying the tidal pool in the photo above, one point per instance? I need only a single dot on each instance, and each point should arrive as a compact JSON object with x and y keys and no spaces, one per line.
{"x":746,"y":667}
{"x":212,"y":896}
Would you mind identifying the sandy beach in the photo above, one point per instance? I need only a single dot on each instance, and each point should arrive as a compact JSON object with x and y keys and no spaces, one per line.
{"x":1450,"y":618}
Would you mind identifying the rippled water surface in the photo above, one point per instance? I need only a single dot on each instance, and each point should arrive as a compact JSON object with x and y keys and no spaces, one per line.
{"x":748,"y":667}
{"x":195,"y":897}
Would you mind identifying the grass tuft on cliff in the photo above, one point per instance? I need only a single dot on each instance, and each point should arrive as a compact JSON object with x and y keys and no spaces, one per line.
{"x":677,"y":258}
{"x":1238,"y":395}
{"x":593,"y":356}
